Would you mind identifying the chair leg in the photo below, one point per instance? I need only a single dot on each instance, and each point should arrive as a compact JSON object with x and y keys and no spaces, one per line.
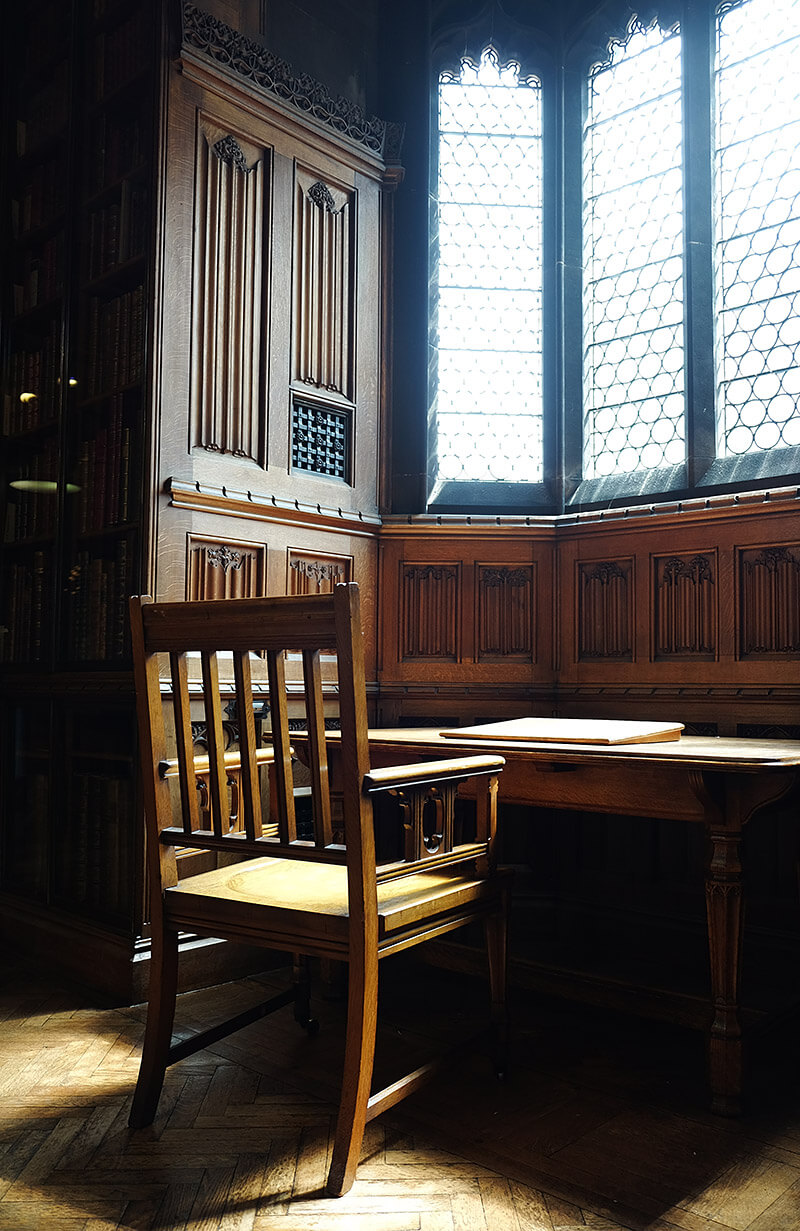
{"x":362,"y":1016}
{"x":496,"y":932}
{"x":301,"y":970}
{"x":158,"y":1031}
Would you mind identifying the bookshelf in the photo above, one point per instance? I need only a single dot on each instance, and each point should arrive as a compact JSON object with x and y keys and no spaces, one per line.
{"x":191,"y":356}
{"x":77,"y":166}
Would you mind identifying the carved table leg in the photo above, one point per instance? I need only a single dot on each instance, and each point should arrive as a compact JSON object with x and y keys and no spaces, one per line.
{"x":724,"y":911}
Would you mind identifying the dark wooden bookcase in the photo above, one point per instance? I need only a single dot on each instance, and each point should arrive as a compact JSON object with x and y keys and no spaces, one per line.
{"x":81,"y":89}
{"x":193,"y":358}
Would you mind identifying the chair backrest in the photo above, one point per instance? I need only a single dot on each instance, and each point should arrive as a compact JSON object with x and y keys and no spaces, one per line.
{"x":244,"y":637}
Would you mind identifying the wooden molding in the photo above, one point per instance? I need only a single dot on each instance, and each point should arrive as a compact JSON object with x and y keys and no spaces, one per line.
{"x":685,"y":514}
{"x":255,"y":506}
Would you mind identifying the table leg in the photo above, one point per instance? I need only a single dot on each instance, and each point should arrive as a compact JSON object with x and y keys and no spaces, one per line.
{"x":724,"y":907}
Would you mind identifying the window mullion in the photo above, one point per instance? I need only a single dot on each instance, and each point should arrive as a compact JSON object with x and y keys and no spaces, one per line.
{"x":570,"y":307}
{"x":698,"y":64}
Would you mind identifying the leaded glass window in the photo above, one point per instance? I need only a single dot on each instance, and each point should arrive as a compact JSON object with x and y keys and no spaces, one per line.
{"x":757,"y":226}
{"x":671,"y":313}
{"x":633,"y":257}
{"x":488,"y":274}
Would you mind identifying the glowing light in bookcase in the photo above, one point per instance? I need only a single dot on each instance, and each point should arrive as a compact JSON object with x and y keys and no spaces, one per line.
{"x":41,"y":485}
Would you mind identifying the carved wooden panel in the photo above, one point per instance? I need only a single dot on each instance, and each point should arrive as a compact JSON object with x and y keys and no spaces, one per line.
{"x":324,"y":285}
{"x":605,"y":617}
{"x":310,"y":573}
{"x":505,"y":612}
{"x":685,"y":605}
{"x":219,"y":569}
{"x":230,"y":288}
{"x":769,"y":579}
{"x":429,"y":611}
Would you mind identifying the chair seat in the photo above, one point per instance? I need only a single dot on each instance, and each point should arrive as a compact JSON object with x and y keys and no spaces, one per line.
{"x":312,"y":898}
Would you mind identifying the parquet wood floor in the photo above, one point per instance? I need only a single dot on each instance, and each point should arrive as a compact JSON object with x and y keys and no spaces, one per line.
{"x":602,"y":1124}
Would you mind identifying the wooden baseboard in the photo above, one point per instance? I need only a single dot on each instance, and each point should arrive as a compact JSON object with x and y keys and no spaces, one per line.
{"x":679,"y":1007}
{"x":117,"y":967}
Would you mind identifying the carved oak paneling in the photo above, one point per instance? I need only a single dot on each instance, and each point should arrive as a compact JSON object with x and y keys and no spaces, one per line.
{"x":314,"y":574}
{"x":605,"y":616}
{"x":685,"y":608}
{"x":769,"y":579}
{"x":505,"y":612}
{"x":225,"y":569}
{"x":230,"y":295}
{"x":324,"y":285}
{"x":429,"y":611}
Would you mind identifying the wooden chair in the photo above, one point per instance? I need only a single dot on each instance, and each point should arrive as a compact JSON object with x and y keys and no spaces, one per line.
{"x":319,"y":898}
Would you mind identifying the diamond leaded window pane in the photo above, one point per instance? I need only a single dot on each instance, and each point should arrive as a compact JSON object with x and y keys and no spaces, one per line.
{"x":489,"y":270}
{"x":633,"y":258}
{"x":757,"y":226}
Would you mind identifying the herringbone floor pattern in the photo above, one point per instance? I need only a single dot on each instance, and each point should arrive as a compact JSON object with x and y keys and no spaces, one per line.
{"x":602,"y":1126}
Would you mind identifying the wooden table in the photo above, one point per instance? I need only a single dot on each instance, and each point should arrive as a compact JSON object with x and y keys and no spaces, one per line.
{"x":721,"y":783}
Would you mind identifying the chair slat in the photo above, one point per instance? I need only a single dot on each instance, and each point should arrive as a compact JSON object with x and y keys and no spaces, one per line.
{"x":218,"y":786}
{"x":318,"y":759}
{"x":183,"y":737}
{"x":249,"y":781}
{"x":284,"y":782}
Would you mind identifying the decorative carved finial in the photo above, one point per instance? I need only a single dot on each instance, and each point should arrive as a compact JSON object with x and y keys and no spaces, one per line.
{"x":321,"y":196}
{"x":224,"y":557}
{"x":207,"y":36}
{"x":513,"y":577}
{"x":604,"y":572}
{"x":697,"y":569}
{"x":772,"y":557}
{"x":228,"y":150}
{"x":319,"y":571}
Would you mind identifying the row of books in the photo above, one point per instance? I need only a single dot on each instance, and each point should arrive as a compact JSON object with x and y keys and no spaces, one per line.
{"x":95,"y":865}
{"x":23,"y":636}
{"x":118,"y":54}
{"x":31,"y":510}
{"x":48,"y":34}
{"x":117,"y":232}
{"x":41,"y":197}
{"x":115,"y":339}
{"x":118,"y":146}
{"x":30,"y":399}
{"x":45,"y":112}
{"x":98,"y":609}
{"x":103,"y":474}
{"x":27,"y":826}
{"x":40,"y":277}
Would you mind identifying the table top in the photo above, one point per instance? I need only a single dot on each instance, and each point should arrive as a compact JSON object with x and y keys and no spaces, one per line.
{"x":729,"y":753}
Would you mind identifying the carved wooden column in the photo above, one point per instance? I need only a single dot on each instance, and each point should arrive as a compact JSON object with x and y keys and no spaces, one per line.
{"x":724,"y":914}
{"x":729,"y":802}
